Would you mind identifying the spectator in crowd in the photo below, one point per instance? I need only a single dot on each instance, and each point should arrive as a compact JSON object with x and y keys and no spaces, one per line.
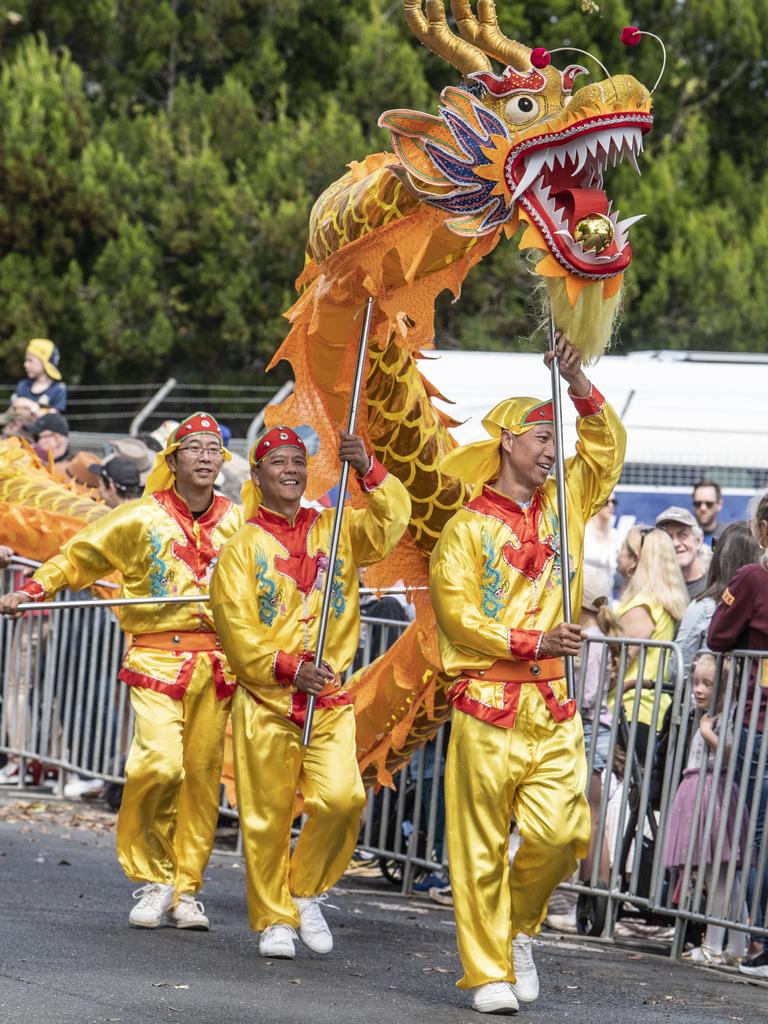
{"x":686,"y":535}
{"x":598,"y":622}
{"x":685,"y":829}
{"x":141,"y":450}
{"x":741,"y":622}
{"x":118,"y":480}
{"x":735,"y":548}
{"x":707,"y":501}
{"x":651,"y":608}
{"x":50,"y":434}
{"x":629,"y":553}
{"x":601,"y":540}
{"x":43,"y":384}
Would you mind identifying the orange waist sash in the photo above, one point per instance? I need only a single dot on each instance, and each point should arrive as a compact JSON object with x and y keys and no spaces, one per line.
{"x":502,"y":671}
{"x":177,"y":640}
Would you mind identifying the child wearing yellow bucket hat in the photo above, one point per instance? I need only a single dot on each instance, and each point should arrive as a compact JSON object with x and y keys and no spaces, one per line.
{"x":43,"y":384}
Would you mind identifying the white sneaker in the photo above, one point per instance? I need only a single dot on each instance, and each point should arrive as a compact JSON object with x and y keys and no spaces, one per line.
{"x":188,"y":913}
{"x":495,"y":997}
{"x":526,"y":986}
{"x":276,"y":942}
{"x":76,"y":787}
{"x":313,"y":929}
{"x":154,"y":900}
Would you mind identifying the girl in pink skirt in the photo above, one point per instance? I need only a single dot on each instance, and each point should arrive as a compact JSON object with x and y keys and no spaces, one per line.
{"x":683,"y":831}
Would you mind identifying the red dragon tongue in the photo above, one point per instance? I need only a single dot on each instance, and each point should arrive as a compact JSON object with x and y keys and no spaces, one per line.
{"x":580,"y":202}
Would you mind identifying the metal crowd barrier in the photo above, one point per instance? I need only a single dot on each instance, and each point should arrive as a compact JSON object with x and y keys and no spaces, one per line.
{"x":63,"y":706}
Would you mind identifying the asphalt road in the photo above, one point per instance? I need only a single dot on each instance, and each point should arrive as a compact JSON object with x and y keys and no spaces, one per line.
{"x":67,"y":955}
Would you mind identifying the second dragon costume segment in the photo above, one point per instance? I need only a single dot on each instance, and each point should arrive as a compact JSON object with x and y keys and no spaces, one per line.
{"x":267,"y":594}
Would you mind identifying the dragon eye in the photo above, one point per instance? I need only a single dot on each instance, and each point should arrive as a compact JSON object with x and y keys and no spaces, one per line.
{"x":521,"y":109}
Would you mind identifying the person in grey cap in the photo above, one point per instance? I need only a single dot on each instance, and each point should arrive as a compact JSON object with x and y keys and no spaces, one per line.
{"x":686,"y":536}
{"x":118,"y":480}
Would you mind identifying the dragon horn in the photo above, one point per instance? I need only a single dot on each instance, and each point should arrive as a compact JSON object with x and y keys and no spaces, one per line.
{"x":432,"y":30}
{"x":484,"y":33}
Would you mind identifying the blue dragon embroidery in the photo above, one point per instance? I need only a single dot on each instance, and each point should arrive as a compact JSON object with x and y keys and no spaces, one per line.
{"x":267,"y":595}
{"x":338,"y":601}
{"x":554,"y":541}
{"x":490,"y":580}
{"x":159,"y":571}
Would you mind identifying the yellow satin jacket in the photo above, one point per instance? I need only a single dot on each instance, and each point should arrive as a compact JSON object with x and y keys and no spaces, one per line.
{"x":161,"y":550}
{"x":495,"y":572}
{"x":267,"y":591}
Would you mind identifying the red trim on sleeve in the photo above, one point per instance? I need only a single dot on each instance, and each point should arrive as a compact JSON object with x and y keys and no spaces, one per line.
{"x":375,"y":475}
{"x":525,"y":643}
{"x":589,"y":406}
{"x":33,"y":590}
{"x":286,"y":667}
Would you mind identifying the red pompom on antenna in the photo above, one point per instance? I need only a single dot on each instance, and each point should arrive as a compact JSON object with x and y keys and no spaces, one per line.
{"x":631,"y":35}
{"x":541,"y":58}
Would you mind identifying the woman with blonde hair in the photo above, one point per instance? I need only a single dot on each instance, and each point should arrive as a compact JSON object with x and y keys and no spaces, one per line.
{"x":651,"y":608}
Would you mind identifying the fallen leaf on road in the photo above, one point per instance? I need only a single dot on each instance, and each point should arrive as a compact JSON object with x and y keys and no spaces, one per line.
{"x":436,"y":970}
{"x":295,"y":981}
{"x":160,"y":984}
{"x":64,"y":863}
{"x":573,"y":986}
{"x":181,"y":986}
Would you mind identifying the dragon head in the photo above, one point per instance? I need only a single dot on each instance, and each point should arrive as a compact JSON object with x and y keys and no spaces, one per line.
{"x":521,"y":147}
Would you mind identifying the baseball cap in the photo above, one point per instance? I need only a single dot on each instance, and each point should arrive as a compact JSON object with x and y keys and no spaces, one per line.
{"x":53,"y":421}
{"x":676,"y":514}
{"x":597,"y":588}
{"x":117,"y":469}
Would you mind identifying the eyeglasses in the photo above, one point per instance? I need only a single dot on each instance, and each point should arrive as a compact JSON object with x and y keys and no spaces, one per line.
{"x":644,"y":533}
{"x":196,"y":451}
{"x":704,"y":504}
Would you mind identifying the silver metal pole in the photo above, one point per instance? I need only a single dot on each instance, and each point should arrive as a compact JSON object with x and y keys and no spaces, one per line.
{"x":118,"y":602}
{"x":562,"y":508}
{"x":257,"y":423}
{"x":357,"y":386}
{"x":146,"y":410}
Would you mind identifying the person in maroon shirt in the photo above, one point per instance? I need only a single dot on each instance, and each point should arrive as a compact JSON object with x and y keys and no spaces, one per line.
{"x":740,"y":622}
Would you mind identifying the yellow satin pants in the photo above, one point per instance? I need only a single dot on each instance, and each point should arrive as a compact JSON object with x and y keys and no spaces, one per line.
{"x":535,"y":771}
{"x":167,"y":821}
{"x":270,"y":766}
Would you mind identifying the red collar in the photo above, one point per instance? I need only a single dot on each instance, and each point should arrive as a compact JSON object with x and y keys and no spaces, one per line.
{"x":301,"y":567}
{"x":174,"y":504}
{"x":493,"y":503}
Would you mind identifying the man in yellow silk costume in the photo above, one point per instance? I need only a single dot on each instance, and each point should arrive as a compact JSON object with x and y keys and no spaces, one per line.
{"x":517,"y":746}
{"x":164,"y":544}
{"x":266,"y":595}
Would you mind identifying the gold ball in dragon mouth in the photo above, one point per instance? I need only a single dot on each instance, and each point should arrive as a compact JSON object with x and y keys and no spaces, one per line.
{"x":595,"y":232}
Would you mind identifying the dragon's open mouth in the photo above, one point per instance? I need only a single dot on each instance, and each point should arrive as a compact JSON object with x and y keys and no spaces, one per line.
{"x":558,"y":180}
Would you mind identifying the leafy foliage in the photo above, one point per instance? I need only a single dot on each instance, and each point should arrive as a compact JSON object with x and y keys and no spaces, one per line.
{"x":159,"y":158}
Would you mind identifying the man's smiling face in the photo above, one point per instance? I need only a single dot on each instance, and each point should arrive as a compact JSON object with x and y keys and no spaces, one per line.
{"x":530,"y":456}
{"x":282,"y":478}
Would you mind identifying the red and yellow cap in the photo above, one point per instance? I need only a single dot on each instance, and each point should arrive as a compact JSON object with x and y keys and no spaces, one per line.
{"x":197,"y":423}
{"x":277,"y":437}
{"x":477,"y":463}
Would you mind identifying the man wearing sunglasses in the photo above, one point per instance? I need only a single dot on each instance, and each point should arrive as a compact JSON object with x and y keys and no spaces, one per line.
{"x":707,"y":503}
{"x":164,"y":544}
